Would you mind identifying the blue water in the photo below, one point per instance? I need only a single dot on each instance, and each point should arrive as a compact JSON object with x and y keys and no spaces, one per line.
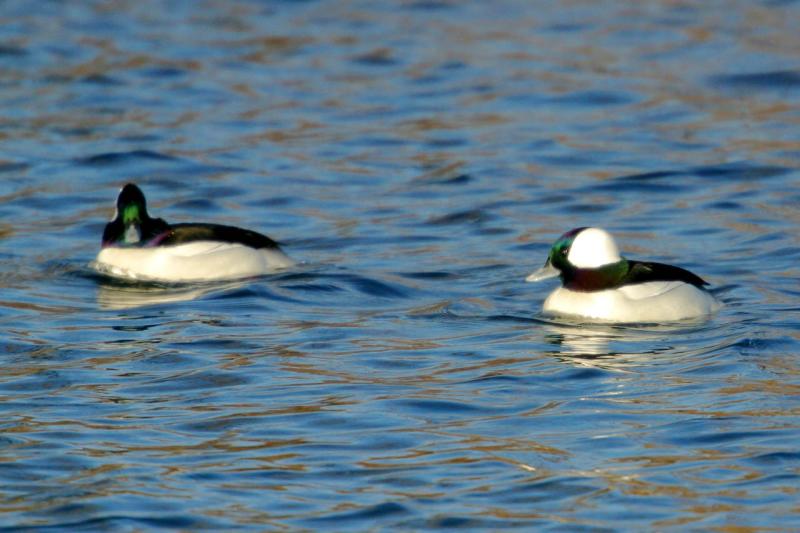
{"x":418,"y":158}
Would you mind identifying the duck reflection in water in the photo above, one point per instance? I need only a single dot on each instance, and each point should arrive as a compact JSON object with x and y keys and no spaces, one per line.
{"x":114,"y":295}
{"x":614,"y":347}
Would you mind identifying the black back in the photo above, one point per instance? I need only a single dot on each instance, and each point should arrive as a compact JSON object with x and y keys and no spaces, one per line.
{"x":642,"y":271}
{"x":193,"y":232}
{"x":131,"y":205}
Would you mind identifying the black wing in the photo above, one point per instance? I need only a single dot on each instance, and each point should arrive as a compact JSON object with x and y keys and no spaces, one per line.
{"x":641,"y":272}
{"x":185,"y":233}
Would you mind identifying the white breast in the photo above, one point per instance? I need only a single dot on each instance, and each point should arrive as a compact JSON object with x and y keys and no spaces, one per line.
{"x":196,"y":261}
{"x":655,"y":301}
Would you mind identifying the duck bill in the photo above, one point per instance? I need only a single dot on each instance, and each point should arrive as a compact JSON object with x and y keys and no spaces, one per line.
{"x":546,"y":272}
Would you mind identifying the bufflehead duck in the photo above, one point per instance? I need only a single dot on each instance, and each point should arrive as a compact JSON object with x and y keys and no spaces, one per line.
{"x":136,"y":246}
{"x":600,"y":284}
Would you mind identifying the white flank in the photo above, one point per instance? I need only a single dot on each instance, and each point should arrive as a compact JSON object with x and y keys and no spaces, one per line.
{"x":196,"y":261}
{"x":655,"y":301}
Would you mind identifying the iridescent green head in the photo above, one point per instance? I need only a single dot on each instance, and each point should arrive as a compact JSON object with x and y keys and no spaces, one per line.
{"x":131,"y":214}
{"x":132,"y":208}
{"x":131,"y":196}
{"x":559,"y":253}
{"x":127,"y":226}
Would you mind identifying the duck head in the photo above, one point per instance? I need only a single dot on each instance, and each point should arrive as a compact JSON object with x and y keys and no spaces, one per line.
{"x":580,"y":248}
{"x":132,"y":226}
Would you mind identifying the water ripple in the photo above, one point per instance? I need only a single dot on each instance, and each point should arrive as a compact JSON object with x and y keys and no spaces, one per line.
{"x":769,"y":80}
{"x":123,"y":158}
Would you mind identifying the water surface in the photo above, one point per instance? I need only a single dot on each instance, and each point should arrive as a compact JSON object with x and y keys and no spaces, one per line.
{"x":419,"y":158}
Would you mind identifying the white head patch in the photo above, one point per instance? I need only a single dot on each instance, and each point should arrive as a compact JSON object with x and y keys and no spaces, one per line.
{"x":592,"y":248}
{"x":132,"y":234}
